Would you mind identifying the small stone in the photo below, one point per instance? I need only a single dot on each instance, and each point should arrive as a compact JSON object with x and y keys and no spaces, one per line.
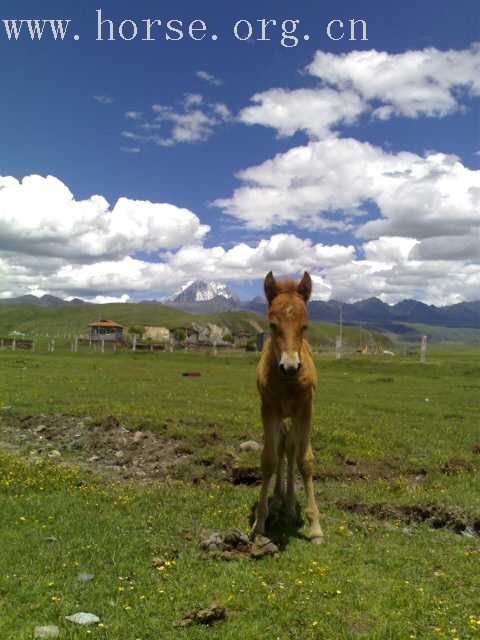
{"x":49,"y":631}
{"x":39,"y":429}
{"x":119,"y":454}
{"x":250,"y":446}
{"x":51,"y":539}
{"x":138,"y":436}
{"x":94,"y":458}
{"x":83,"y":618}
{"x":468,"y":532}
{"x":54,"y":453}
{"x":85,"y":577}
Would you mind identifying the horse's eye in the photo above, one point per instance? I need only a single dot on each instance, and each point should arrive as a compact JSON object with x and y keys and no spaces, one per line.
{"x":273,"y":326}
{"x":305,"y":327}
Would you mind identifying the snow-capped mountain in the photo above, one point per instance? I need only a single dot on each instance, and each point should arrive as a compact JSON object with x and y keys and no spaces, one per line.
{"x":202,"y":291}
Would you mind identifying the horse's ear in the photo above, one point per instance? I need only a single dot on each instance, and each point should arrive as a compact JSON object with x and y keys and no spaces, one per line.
{"x":304,"y":287}
{"x":270,"y":287}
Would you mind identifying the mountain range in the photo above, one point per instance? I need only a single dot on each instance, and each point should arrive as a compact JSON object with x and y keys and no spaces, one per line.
{"x":202,"y":297}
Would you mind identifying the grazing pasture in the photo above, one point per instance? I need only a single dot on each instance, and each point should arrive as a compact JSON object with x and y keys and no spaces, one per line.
{"x":397,"y":482}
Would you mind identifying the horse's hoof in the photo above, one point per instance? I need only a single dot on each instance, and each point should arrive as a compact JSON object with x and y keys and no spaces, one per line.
{"x":317,"y":540}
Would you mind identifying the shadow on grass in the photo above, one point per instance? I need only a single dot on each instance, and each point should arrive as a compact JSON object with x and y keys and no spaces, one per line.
{"x":280,"y":527}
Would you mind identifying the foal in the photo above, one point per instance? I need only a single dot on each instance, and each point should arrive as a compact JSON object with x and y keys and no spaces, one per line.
{"x":286,"y":379}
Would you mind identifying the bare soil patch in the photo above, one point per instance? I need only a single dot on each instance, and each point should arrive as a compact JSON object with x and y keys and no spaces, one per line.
{"x":437,"y":517}
{"x":105,"y":444}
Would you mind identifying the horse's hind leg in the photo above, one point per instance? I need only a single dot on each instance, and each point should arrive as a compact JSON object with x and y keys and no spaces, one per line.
{"x":269,"y":465}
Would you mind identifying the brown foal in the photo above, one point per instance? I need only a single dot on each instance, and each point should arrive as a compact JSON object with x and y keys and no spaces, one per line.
{"x":286,"y":380}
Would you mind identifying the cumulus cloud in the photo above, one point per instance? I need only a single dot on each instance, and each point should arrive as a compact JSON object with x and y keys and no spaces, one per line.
{"x":426,"y":82}
{"x":414,"y":83}
{"x":454,"y":247}
{"x":327,"y":184}
{"x":315,"y":111}
{"x":40,"y":216}
{"x":194,"y":120}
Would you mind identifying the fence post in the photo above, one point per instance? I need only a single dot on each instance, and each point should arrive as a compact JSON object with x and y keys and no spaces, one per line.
{"x":423,"y":349}
{"x":75,"y":344}
{"x":134,"y":342}
{"x":214,"y":347}
{"x":338,"y":348}
{"x":102,"y":347}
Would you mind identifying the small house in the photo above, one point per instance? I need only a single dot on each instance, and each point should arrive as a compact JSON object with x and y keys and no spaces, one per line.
{"x":105,"y":330}
{"x":157,"y":334}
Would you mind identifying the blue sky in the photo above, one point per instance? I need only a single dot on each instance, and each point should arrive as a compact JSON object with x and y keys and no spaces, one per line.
{"x":63,"y":114}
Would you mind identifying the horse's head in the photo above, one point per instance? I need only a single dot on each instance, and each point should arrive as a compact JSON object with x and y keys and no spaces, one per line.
{"x":287,"y":314}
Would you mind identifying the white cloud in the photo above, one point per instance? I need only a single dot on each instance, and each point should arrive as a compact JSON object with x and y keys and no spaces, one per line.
{"x":134,"y":115}
{"x":195,"y":120}
{"x":208,"y":77}
{"x":315,"y":111}
{"x":105,"y":299}
{"x":40,"y":216}
{"x":103,"y":100}
{"x":411,"y":84}
{"x":326,"y":184}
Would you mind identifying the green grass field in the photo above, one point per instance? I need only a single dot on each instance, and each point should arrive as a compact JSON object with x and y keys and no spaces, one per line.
{"x":398,"y":486}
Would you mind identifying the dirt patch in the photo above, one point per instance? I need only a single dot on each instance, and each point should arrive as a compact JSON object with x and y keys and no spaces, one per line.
{"x":437,"y":517}
{"x":455,"y":466}
{"x":345,"y":470}
{"x":105,"y":444}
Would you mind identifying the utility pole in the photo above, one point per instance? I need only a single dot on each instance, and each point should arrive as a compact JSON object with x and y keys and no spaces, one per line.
{"x":339,"y":340}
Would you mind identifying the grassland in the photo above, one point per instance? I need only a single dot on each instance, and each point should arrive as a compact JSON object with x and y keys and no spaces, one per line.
{"x":395,"y":442}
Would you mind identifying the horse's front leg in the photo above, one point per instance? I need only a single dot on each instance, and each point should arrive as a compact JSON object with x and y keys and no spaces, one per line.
{"x":269,"y":464}
{"x":305,"y":459}
{"x":290,"y":502}
{"x":279,"y":490}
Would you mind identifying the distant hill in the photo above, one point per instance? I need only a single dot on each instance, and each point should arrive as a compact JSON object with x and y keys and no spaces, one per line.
{"x":73,"y":319}
{"x":406,"y":319}
{"x":376,"y":313}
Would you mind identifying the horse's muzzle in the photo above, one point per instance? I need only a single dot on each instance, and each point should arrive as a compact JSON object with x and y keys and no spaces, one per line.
{"x":289,"y":364}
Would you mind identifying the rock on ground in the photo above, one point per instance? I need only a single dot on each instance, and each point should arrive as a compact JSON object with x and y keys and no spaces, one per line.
{"x":249,"y":445}
{"x":83,"y":618}
{"x":48,"y":631}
